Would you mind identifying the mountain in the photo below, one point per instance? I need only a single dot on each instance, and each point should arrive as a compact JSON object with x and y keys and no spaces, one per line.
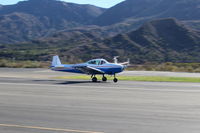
{"x":33,"y":19}
{"x":195,"y":24}
{"x":162,"y":40}
{"x":18,"y":27}
{"x":56,"y":12}
{"x":150,"y":9}
{"x":36,"y":18}
{"x":38,"y":29}
{"x":44,"y":48}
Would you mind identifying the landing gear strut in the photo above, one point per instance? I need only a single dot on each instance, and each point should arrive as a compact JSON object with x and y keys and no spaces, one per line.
{"x":115,"y":79}
{"x":94,"y":79}
{"x":104,"y":78}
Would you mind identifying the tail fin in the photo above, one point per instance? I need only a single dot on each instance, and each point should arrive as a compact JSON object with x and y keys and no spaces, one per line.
{"x":56,"y":61}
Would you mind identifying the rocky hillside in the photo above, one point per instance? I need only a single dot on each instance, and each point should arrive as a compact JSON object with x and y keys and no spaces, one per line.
{"x":35,"y":18}
{"x":39,"y":29}
{"x":150,"y":9}
{"x":164,"y":40}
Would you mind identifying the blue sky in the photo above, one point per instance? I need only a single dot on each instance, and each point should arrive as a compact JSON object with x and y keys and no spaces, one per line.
{"x":101,"y":3}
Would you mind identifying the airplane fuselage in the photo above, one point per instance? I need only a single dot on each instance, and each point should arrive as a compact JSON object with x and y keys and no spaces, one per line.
{"x":109,"y":69}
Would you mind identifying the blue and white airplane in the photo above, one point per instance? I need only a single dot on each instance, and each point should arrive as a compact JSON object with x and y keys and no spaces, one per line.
{"x":93,"y":67}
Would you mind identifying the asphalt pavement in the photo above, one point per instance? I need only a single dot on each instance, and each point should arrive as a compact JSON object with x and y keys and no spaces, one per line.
{"x":31,"y":101}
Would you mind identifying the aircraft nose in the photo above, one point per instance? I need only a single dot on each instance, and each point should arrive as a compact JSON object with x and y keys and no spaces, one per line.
{"x":122,"y":67}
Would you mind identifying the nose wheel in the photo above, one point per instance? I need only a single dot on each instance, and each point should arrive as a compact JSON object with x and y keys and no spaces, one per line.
{"x":115,"y":79}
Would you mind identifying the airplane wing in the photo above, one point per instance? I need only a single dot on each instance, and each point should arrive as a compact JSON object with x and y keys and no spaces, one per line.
{"x":89,"y":70}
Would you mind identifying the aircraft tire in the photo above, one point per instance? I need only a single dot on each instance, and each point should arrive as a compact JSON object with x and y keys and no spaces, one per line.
{"x":104,"y":79}
{"x":115,"y":80}
{"x":94,"y":79}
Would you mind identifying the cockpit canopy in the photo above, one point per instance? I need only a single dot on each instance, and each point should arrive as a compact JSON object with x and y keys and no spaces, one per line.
{"x":97,"y":62}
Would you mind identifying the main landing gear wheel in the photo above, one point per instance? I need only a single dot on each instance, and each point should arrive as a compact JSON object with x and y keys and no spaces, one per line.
{"x":94,"y":79}
{"x":115,"y":80}
{"x":104,"y":79}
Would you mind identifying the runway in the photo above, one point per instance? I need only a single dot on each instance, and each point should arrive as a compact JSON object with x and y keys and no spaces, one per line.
{"x":44,"y":105}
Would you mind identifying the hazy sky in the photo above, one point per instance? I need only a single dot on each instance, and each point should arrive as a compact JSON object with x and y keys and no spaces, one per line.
{"x":101,"y":3}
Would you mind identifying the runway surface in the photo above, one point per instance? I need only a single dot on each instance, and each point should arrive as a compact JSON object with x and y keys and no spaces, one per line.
{"x":33,"y":102}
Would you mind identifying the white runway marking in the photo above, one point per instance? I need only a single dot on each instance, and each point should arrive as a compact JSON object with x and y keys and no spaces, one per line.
{"x":49,"y":129}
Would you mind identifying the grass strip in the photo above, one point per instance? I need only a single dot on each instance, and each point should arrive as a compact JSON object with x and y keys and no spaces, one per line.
{"x":139,"y":78}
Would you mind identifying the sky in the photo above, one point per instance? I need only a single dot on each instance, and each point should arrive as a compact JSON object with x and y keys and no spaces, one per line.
{"x":100,"y":3}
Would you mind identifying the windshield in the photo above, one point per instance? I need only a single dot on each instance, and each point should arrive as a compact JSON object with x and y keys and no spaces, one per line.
{"x":97,"y":62}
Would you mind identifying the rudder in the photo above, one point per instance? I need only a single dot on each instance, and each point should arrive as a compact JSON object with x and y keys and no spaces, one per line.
{"x":56,"y":61}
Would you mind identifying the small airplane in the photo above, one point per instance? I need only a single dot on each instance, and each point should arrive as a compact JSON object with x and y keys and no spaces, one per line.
{"x":93,"y":67}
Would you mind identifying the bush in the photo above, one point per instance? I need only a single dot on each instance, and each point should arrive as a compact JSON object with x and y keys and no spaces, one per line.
{"x":23,"y":64}
{"x":168,"y":66}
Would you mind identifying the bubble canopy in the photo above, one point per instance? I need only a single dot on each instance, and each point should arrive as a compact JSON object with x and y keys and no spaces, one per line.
{"x":97,"y":62}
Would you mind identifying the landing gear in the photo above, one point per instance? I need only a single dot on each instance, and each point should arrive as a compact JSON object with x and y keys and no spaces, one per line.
{"x":94,"y":79}
{"x":115,"y":79}
{"x":104,"y":78}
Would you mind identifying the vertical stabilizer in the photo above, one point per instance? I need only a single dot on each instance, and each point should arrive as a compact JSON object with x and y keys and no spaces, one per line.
{"x":56,"y":61}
